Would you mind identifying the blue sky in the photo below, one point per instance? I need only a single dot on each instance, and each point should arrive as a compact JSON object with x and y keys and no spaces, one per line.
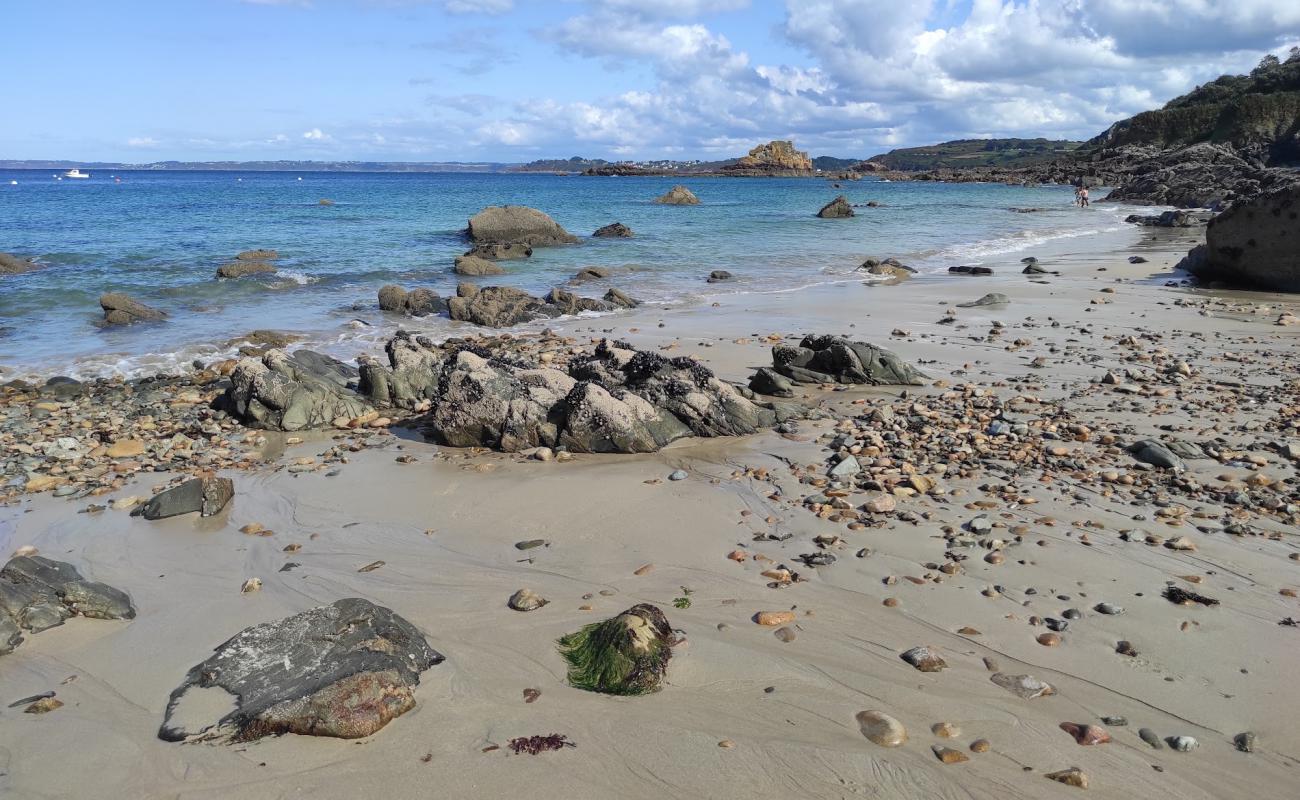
{"x":511,"y":80}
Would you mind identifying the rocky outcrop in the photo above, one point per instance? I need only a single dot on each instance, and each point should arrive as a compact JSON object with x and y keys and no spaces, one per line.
{"x":517,"y":225}
{"x":37,"y":594}
{"x":120,"y":309}
{"x":257,"y":255}
{"x":831,"y":359}
{"x":614,"y":230}
{"x":240,"y":269}
{"x":570,"y":303}
{"x":417,"y":302}
{"x":503,"y":251}
{"x":678,"y":196}
{"x":497,"y":306}
{"x":13,"y":265}
{"x":1255,"y":243}
{"x":838,"y":208}
{"x":293,"y":392}
{"x":473,"y":265}
{"x":776,"y":158}
{"x":343,"y":670}
{"x":1178,"y":218}
{"x":206,"y":496}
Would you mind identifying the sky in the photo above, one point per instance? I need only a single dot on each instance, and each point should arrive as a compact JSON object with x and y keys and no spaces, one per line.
{"x":515,"y":80}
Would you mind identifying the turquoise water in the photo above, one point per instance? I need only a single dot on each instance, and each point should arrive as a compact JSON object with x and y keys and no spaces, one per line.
{"x":160,"y":236}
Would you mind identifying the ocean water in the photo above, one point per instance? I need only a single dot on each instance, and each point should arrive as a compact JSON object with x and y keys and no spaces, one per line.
{"x":160,"y":236}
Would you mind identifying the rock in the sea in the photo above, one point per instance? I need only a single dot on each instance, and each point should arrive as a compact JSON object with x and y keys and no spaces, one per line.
{"x":13,"y":265}
{"x":37,"y":593}
{"x":473,"y":265}
{"x":925,"y":659}
{"x":889,"y":268}
{"x":419,"y":302}
{"x":838,"y":208}
{"x":498,"y":307}
{"x":517,"y":225}
{"x":239,"y":269}
{"x":500,"y":251}
{"x":293,"y":392}
{"x":678,"y":196}
{"x":1254,"y":243}
{"x":257,"y":255}
{"x":620,"y":298}
{"x":591,"y":274}
{"x":207,"y":496}
{"x":614,"y":230}
{"x":990,"y":299}
{"x":342,"y":670}
{"x":719,"y":275}
{"x":831,"y":359}
{"x":623,"y":655}
{"x":122,"y":310}
{"x":881,"y":728}
{"x":776,"y":158}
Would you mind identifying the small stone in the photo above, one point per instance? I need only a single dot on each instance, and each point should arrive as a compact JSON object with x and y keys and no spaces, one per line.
{"x":774,"y":618}
{"x":924,"y":659}
{"x":1183,"y":744}
{"x":949,"y":756}
{"x":529,"y":544}
{"x":678,"y":475}
{"x":1245,"y":742}
{"x":1086,"y":735}
{"x":1025,"y":686}
{"x":645,"y":569}
{"x":980,"y":746}
{"x":785,"y":634}
{"x":526,"y":600}
{"x":1049,"y":639}
{"x":883,"y":504}
{"x":125,"y":448}
{"x":881,"y":728}
{"x":1118,"y":722}
{"x":726,"y":744}
{"x":945,"y":730}
{"x":890,"y":602}
{"x":251,"y":585}
{"x":1108,"y":608}
{"x":1149,"y":736}
{"x":43,"y":706}
{"x":1070,"y":777}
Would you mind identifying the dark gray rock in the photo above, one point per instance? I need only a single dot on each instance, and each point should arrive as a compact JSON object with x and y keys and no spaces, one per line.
{"x":591,"y":274}
{"x":838,"y":208}
{"x":290,"y":393}
{"x":719,"y":275}
{"x":570,"y":303}
{"x":37,"y":593}
{"x":614,"y":230}
{"x":500,"y":251}
{"x":1034,"y":268}
{"x":342,"y":670}
{"x":1154,"y":452}
{"x":620,"y":298}
{"x":1176,"y":218}
{"x":207,"y":496}
{"x":517,"y":225}
{"x":990,"y":299}
{"x":832,"y":359}
{"x":770,"y":382}
{"x":970,"y":270}
{"x":122,"y":310}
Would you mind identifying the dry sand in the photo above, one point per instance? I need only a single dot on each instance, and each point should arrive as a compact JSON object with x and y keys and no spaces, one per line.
{"x":445,"y":527}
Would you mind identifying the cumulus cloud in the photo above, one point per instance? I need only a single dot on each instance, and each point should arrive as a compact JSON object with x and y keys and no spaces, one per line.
{"x":316,"y":135}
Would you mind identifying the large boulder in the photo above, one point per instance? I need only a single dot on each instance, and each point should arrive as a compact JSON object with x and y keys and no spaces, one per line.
{"x":517,"y":225}
{"x":257,"y":255}
{"x":122,"y":310}
{"x":776,"y":158}
{"x":678,"y":196}
{"x":207,"y":496}
{"x":832,"y":359}
{"x":473,"y":265}
{"x":1255,"y":243}
{"x":293,"y":392}
{"x":838,"y":208}
{"x":37,"y":593}
{"x":343,"y":670}
{"x":1174,"y":218}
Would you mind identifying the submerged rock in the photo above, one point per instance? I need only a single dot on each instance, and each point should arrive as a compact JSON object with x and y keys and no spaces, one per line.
{"x":678,"y":196}
{"x":207,"y":496}
{"x":614,"y":230}
{"x":417,"y":302}
{"x":831,"y":359}
{"x":37,"y":593}
{"x":240,"y":269}
{"x":624,"y":655}
{"x":719,"y":275}
{"x":517,"y":225}
{"x":13,"y":265}
{"x":838,"y":208}
{"x":122,"y":310}
{"x":341,"y":670}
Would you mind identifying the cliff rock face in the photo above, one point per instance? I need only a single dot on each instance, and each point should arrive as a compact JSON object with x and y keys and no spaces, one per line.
{"x":774,"y":158}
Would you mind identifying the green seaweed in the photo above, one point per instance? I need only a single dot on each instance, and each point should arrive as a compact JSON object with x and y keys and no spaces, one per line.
{"x":624,"y":655}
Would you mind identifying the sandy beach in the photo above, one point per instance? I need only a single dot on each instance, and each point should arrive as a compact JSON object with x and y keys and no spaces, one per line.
{"x":743,"y":712}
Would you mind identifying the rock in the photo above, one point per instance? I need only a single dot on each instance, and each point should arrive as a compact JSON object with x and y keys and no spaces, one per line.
{"x":770,"y":382}
{"x":417,"y":302}
{"x":257,"y":255}
{"x":1154,"y":452}
{"x":204,"y":495}
{"x":621,"y":299}
{"x":37,"y":593}
{"x":925,"y":659}
{"x":1049,"y":639}
{"x":569,"y":303}
{"x":980,"y":746}
{"x":881,"y":728}
{"x":614,"y":230}
{"x":591,"y":273}
{"x":251,"y":585}
{"x":881,"y":504}
{"x":1070,"y":777}
{"x":473,"y":265}
{"x":1086,"y":735}
{"x":341,"y":670}
{"x":13,"y":265}
{"x":1024,"y":686}
{"x":1254,"y":243}
{"x":526,"y":600}
{"x":990,"y":299}
{"x":125,"y":448}
{"x":949,"y":756}
{"x":517,"y":225}
{"x":678,"y":196}
{"x":773,"y":619}
{"x":1149,"y":736}
{"x":776,"y":158}
{"x":946,"y":730}
{"x":500,"y":251}
{"x":499,"y":307}
{"x":240,"y":269}
{"x":1176,"y":218}
{"x":970,"y":270}
{"x":1245,"y":742}
{"x":678,"y":475}
{"x":890,"y":268}
{"x":292,"y":392}
{"x":845,"y":469}
{"x":623,"y":655}
{"x":122,"y":310}
{"x":838,"y":208}
{"x":719,"y":275}
{"x":830,"y":359}
{"x":43,"y":706}
{"x":392,"y":298}
{"x":1109,"y":609}
{"x":1136,"y":260}
{"x":1183,"y":744}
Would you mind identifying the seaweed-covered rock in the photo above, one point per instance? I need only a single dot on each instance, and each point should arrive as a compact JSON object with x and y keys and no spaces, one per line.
{"x":623,"y":655}
{"x":838,"y":208}
{"x":38,"y":593}
{"x":342,"y":670}
{"x":293,"y":392}
{"x":832,"y":359}
{"x":206,"y":495}
{"x":517,"y":225}
{"x":889,"y":268}
{"x":122,"y":310}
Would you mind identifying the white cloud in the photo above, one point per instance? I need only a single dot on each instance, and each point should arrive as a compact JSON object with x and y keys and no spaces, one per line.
{"x":478,"y":6}
{"x":142,"y":141}
{"x":316,"y":135}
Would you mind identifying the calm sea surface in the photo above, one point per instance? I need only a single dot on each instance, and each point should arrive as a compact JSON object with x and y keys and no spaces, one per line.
{"x":160,"y":237}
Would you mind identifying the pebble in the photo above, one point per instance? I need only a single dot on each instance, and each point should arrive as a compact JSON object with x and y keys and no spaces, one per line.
{"x":529,"y":544}
{"x":1025,"y":686}
{"x":678,"y":475}
{"x":924,"y":659}
{"x":980,"y":746}
{"x":644,"y":569}
{"x":1149,"y":736}
{"x":945,"y":730}
{"x":1183,"y":744}
{"x":526,"y":600}
{"x":1049,"y":639}
{"x":949,"y":756}
{"x":43,"y":706}
{"x":251,"y":585}
{"x":1070,"y":777}
{"x":774,"y":618}
{"x":881,"y":728}
{"x":1245,"y":742}
{"x":785,"y":634}
{"x":1109,"y":609}
{"x":1086,"y":735}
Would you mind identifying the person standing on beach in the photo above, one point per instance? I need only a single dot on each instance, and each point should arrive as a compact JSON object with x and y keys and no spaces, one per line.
{"x":1078,"y":196}
{"x":1083,"y":196}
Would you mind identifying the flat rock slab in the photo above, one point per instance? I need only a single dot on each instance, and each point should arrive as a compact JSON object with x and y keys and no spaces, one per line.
{"x":38,"y":593}
{"x":204,"y":495}
{"x":341,"y":670}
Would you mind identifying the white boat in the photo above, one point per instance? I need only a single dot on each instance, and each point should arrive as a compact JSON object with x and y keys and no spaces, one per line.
{"x":76,"y":173}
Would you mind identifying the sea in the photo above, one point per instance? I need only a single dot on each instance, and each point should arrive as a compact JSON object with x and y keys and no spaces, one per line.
{"x":160,"y":236}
